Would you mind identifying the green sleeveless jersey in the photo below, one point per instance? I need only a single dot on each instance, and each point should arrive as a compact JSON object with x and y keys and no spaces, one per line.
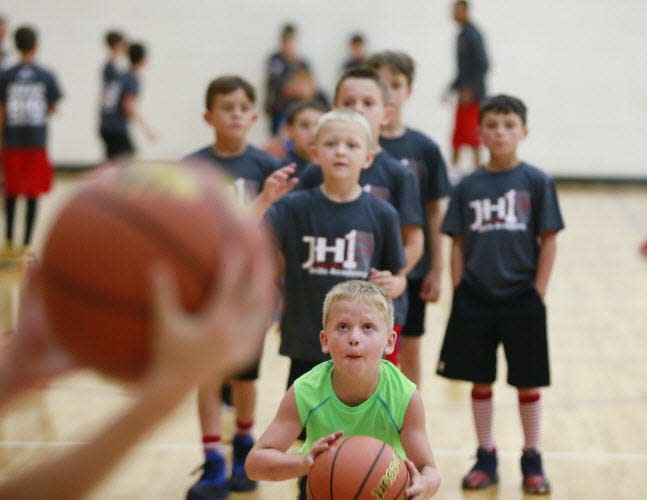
{"x":381,"y":416}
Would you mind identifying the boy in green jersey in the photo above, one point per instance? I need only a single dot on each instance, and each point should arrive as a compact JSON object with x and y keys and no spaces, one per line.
{"x":355,"y":393}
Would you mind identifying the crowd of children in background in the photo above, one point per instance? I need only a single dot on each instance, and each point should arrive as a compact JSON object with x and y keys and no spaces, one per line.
{"x":349,"y":194}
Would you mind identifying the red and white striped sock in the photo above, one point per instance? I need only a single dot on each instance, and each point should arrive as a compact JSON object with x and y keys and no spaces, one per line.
{"x":530,"y":411}
{"x":483,"y":412}
{"x":211,"y":442}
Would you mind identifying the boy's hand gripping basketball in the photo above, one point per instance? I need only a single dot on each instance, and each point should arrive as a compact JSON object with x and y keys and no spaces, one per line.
{"x":421,"y":487}
{"x":319,"y":447}
{"x":228,"y":332}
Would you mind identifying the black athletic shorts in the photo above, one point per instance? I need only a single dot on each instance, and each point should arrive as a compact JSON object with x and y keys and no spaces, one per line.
{"x":302,"y":484}
{"x":298,"y":367}
{"x":251,"y":373}
{"x":476,"y":327}
{"x":117,"y":144}
{"x":415,"y":324}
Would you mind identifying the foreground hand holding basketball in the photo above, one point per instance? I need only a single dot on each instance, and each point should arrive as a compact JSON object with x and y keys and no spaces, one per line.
{"x":32,"y":357}
{"x":188,"y":345}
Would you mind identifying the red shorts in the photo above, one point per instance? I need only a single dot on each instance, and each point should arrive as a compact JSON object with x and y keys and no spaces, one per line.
{"x":466,"y":131}
{"x":394,"y":357}
{"x":27,"y":171}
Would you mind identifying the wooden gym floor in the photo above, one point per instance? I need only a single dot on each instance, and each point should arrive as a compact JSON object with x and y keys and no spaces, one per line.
{"x":595,"y":428}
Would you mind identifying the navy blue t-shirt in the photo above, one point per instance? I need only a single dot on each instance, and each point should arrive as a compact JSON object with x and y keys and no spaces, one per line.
{"x":249,"y":169}
{"x":422,"y":156}
{"x":27,"y":91}
{"x":389,"y":181}
{"x":324,"y":243}
{"x":113,"y":117}
{"x":500,"y":216}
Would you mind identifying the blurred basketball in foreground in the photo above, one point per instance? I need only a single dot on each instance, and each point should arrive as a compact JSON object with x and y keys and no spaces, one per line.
{"x":100,"y":250}
{"x":359,"y":467}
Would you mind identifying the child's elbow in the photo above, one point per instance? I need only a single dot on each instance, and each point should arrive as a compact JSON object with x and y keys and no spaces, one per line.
{"x":251,"y":466}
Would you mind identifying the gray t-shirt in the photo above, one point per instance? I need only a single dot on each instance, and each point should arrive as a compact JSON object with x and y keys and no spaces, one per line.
{"x":325,"y":243}
{"x":499,"y":216}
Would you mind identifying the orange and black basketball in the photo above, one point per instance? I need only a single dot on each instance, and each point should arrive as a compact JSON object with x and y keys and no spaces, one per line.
{"x":102,"y":245}
{"x":359,"y":467}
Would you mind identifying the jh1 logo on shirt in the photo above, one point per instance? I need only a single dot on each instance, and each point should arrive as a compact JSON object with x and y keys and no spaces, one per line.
{"x":348,"y":257}
{"x":509,"y":212}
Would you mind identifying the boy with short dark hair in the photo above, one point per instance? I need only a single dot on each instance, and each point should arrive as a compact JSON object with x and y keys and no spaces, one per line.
{"x":422,"y":155}
{"x":230,"y":111}
{"x":503,"y":219}
{"x":29,"y":94}
{"x":301,"y":120}
{"x":355,"y":393}
{"x":363,"y":90}
{"x":119,"y":108}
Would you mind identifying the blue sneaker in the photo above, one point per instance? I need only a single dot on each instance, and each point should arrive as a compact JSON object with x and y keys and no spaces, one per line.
{"x":483,"y":474}
{"x":213,"y":481}
{"x":239,"y":480}
{"x":534,"y":479}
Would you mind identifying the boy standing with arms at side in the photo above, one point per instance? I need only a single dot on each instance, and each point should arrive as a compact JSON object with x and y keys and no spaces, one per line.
{"x":363,"y":90}
{"x":503,"y":219}
{"x":422,"y":155}
{"x":230,"y":112}
{"x":119,"y":108}
{"x":355,"y":393}
{"x":29,"y":94}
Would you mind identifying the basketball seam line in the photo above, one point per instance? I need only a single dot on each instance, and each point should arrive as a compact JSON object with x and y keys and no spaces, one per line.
{"x":157,"y":232}
{"x":96,"y":298}
{"x":377,"y":457}
{"x":332,"y":466}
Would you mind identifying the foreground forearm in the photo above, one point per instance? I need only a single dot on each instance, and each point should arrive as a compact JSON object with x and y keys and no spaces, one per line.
{"x":74,"y":474}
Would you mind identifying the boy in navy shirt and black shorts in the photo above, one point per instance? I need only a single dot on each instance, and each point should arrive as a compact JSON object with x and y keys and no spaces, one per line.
{"x":229,"y":103}
{"x":503,"y":218}
{"x":422,"y":156}
{"x":28,"y":95}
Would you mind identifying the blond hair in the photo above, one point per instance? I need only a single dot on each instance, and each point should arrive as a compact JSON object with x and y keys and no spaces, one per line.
{"x":359,"y":290}
{"x":346,"y":115}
